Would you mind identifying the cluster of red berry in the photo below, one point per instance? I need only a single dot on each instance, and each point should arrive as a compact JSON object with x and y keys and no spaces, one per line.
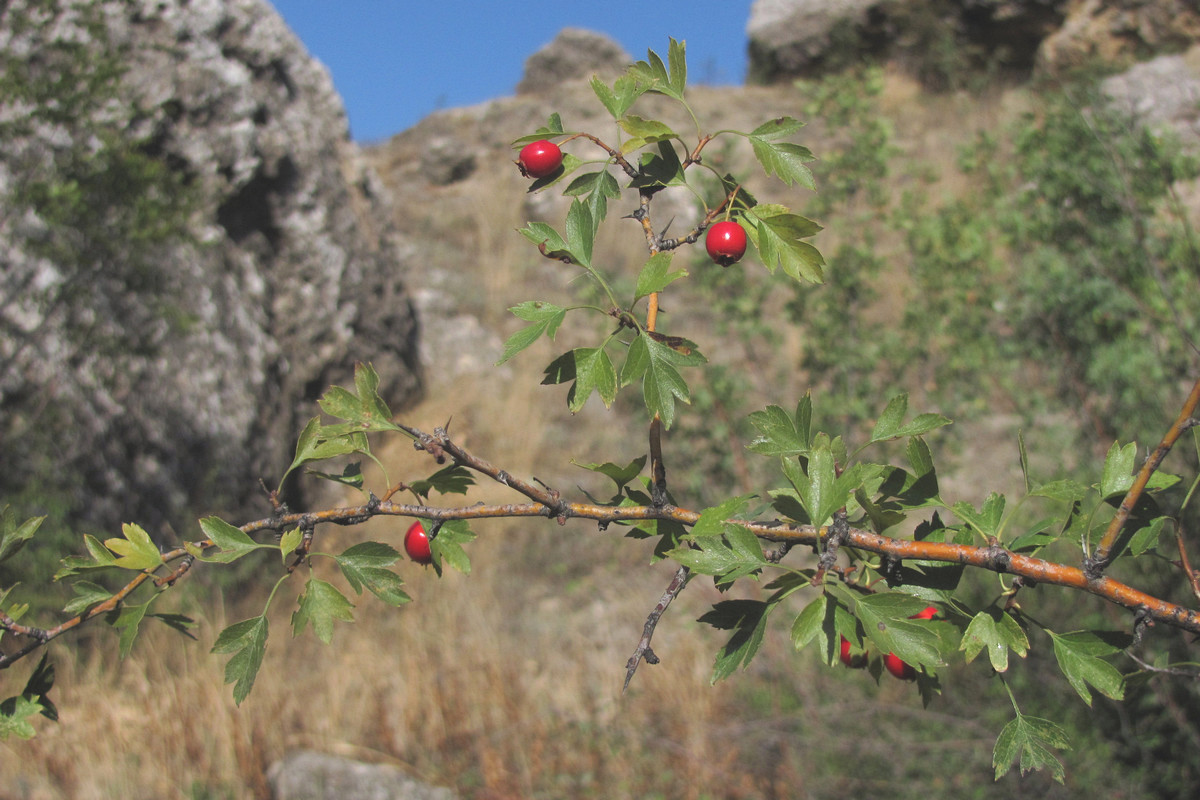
{"x":891,"y":662}
{"x":725,"y":241}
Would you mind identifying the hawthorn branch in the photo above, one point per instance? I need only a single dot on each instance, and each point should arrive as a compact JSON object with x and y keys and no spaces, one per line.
{"x":994,"y":558}
{"x":1095,"y":564}
{"x":643,"y":651}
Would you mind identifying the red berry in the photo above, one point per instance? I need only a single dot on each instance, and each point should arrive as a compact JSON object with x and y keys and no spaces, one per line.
{"x":857,"y":661}
{"x":892,"y":662}
{"x":416,"y":544}
{"x":726,"y":242}
{"x":900,"y":669}
{"x":539,"y":159}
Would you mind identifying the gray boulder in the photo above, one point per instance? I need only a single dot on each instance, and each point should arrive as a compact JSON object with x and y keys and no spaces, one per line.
{"x":574,"y":54}
{"x":287,"y":271}
{"x":1163,"y":92}
{"x":309,"y":775}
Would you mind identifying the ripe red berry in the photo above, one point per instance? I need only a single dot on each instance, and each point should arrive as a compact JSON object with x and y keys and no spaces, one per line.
{"x":892,"y":662}
{"x":857,"y":661}
{"x":539,"y":159}
{"x":416,"y":544}
{"x":900,"y":669}
{"x":726,"y":242}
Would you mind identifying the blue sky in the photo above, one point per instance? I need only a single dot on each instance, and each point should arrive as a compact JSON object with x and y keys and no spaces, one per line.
{"x":395,"y":61}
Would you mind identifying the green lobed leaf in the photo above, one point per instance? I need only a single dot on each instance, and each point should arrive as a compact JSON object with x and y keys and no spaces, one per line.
{"x":996,"y":632}
{"x":363,"y":409}
{"x":890,"y":423}
{"x":87,"y":594}
{"x":643,"y":132}
{"x":98,"y":557}
{"x":231,"y":542}
{"x":1079,"y":657}
{"x":809,"y":622}
{"x":656,"y":275}
{"x":452,"y":479}
{"x":289,"y":541}
{"x":987,"y":520}
{"x":447,"y":546}
{"x":1032,"y":740}
{"x":127,"y":621}
{"x":594,"y":371}
{"x":581,"y":233}
{"x":548,"y":239}
{"x":546,"y":319}
{"x":662,"y":384}
{"x":14,"y":535}
{"x":777,"y":128}
{"x":366,"y":563}
{"x":747,"y":619}
{"x":321,"y":604}
{"x":15,"y":713}
{"x":778,"y":235}
{"x":247,"y":640}
{"x":885,"y":619}
{"x":620,"y":475}
{"x":784,"y":160}
{"x":783,"y":435}
{"x":136,"y":551}
{"x":1118,"y":470}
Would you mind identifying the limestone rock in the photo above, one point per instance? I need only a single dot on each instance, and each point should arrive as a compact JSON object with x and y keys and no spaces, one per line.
{"x":1162,"y":92}
{"x":1120,"y":31}
{"x":573,"y":55}
{"x":309,"y":775}
{"x":290,"y":270}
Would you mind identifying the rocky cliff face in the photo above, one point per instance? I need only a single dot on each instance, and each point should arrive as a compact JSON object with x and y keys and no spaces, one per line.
{"x":800,"y":38}
{"x":286,"y":270}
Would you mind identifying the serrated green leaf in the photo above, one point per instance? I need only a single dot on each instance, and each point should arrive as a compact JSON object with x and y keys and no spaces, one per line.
{"x":127,"y":621}
{"x":14,"y":535}
{"x":231,"y":542}
{"x":136,"y":551}
{"x":662,"y":384}
{"x":594,"y":371}
{"x":452,"y":479}
{"x":1079,"y":659}
{"x":987,"y":520}
{"x":546,"y":319}
{"x":247,"y":640}
{"x":783,"y":435}
{"x":289,"y":541}
{"x":581,"y":233}
{"x":1033,"y":741}
{"x":643,"y":132}
{"x":784,"y":160}
{"x":996,"y":632}
{"x":547,"y":239}
{"x":366,"y":564}
{"x":321,"y":604}
{"x":1145,"y":539}
{"x":809,"y":622}
{"x":15,"y":713}
{"x":885,"y":620}
{"x":620,"y":475}
{"x":447,"y":546}
{"x":363,"y":410}
{"x":618,"y":100}
{"x":890,"y":423}
{"x":87,"y":594}
{"x":747,"y":619}
{"x":660,"y":167}
{"x":98,"y":557}
{"x":778,"y":235}
{"x":777,"y":128}
{"x":1118,"y":470}
{"x":1065,"y":490}
{"x":656,"y":275}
